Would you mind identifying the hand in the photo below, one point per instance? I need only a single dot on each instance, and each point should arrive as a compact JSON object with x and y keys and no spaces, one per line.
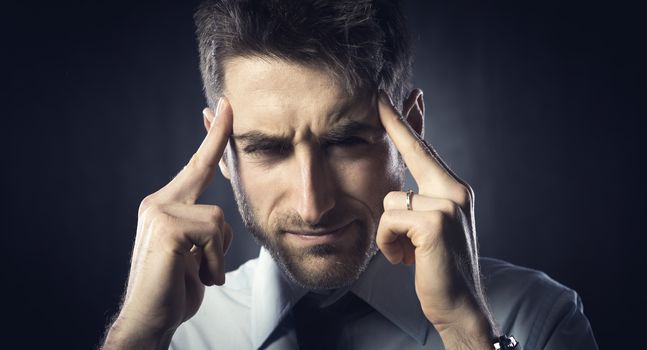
{"x":178,"y":249}
{"x":438,"y":236}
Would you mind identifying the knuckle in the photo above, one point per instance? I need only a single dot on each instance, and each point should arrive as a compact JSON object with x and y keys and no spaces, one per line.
{"x":151,"y":212}
{"x":146,"y":203}
{"x":449,"y":207}
{"x":465,"y":196}
{"x":390,"y":199}
{"x":216,"y":216}
{"x":213,"y":227}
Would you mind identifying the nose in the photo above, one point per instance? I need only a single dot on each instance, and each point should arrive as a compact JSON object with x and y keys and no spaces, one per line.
{"x":314,"y":189}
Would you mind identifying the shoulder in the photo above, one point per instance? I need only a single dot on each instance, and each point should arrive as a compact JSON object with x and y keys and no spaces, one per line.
{"x":504,"y":277}
{"x":513,"y":289}
{"x":222,"y":312}
{"x":508,"y":287}
{"x":532,"y":306}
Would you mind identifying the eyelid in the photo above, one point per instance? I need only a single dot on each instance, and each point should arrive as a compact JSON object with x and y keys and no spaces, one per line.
{"x":345,"y":140}
{"x":281,"y":148}
{"x":251,"y":149}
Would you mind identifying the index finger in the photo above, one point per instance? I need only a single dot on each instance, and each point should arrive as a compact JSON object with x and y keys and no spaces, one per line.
{"x":196,"y":175}
{"x":431,"y":174}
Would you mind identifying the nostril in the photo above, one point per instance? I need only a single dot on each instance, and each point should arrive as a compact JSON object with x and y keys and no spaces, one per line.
{"x":314,"y":207}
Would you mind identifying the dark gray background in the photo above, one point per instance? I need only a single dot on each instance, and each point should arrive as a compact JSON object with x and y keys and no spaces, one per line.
{"x":535,"y":104}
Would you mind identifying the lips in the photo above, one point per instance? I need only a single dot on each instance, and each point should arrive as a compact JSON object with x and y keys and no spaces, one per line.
{"x":322,"y":232}
{"x":319,"y":236}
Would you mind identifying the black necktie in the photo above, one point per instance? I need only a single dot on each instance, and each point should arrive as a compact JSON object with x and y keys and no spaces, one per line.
{"x":323,"y":327}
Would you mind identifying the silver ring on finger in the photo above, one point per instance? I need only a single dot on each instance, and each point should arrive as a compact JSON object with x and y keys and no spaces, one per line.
{"x":409,"y":197}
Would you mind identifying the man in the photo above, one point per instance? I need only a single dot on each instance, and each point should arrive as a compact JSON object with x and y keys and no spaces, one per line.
{"x":311,"y":119}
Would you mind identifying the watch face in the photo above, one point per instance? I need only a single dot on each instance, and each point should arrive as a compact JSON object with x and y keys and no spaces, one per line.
{"x":505,"y":342}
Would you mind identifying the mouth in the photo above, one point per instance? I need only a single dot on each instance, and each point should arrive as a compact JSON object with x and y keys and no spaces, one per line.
{"x":320,"y":236}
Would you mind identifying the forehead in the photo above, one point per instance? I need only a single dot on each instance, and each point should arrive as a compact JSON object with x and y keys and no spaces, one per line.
{"x":282,"y":97}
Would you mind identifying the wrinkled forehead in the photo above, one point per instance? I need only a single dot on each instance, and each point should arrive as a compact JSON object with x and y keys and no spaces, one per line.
{"x":284,"y":98}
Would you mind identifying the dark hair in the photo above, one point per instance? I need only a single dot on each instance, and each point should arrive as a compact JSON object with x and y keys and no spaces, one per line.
{"x":364,"y":43}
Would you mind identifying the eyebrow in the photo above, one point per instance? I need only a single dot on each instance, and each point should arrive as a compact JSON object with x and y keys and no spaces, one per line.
{"x":257,"y":140}
{"x":347,"y":129}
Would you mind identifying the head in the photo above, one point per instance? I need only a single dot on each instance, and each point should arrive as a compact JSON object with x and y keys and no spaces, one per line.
{"x":308,"y":160}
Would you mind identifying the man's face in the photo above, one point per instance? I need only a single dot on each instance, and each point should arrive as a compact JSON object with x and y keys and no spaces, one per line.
{"x":310,"y":166}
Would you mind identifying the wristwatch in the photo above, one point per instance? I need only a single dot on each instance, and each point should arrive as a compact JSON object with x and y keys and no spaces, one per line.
{"x":505,"y":342}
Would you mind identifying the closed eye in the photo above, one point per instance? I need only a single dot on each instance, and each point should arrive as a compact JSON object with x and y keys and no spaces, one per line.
{"x":275,"y":150}
{"x":348,"y":142}
{"x":268,"y":147}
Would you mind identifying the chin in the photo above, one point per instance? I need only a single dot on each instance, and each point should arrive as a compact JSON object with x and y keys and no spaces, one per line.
{"x":325,"y":266}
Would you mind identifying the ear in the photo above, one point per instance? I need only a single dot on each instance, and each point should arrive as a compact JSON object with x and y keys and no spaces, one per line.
{"x":208,"y":118}
{"x":413,"y":111}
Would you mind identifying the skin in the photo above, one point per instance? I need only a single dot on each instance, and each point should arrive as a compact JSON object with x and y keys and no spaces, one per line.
{"x":310,"y":186}
{"x":318,"y":179}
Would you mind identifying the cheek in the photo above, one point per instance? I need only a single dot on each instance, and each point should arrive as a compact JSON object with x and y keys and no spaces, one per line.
{"x":261,"y":186}
{"x":371,"y":178}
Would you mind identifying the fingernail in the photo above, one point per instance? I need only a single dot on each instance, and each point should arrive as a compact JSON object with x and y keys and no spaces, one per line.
{"x":384,"y":97}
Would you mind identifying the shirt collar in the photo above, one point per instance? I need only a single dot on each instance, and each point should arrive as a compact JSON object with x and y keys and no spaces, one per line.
{"x":388,"y":288}
{"x":272,"y":297}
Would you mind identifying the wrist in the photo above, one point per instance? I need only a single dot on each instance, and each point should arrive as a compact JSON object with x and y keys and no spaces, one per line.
{"x":471,"y":329}
{"x":127,"y":333}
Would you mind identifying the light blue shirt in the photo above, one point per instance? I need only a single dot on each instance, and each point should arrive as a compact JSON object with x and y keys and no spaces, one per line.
{"x":246,"y":312}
